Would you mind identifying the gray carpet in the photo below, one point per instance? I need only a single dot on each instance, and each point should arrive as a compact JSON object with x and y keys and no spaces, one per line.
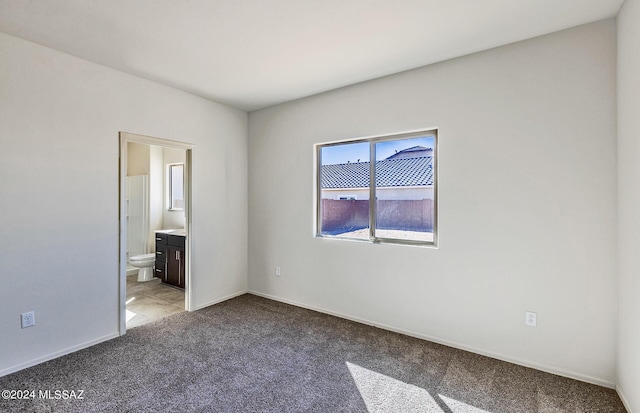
{"x":250,"y":354}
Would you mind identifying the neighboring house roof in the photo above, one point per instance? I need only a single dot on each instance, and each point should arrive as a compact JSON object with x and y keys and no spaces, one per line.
{"x":391,"y":172}
{"x":413,"y":152}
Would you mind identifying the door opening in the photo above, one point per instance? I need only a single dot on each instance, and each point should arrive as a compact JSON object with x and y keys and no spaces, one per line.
{"x":155,"y":228}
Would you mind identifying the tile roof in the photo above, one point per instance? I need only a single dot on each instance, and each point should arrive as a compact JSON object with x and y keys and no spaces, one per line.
{"x":389,"y":173}
{"x":413,"y":152}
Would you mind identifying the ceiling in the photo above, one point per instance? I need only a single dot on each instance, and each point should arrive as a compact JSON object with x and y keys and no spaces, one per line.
{"x":251,"y":54}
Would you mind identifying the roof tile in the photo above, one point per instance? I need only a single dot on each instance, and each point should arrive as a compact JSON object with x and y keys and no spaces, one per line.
{"x":389,"y":173}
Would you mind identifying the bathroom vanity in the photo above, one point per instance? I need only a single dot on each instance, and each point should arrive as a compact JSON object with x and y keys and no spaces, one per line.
{"x":170,"y":257}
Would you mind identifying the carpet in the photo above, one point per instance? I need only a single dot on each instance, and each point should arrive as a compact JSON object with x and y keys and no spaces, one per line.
{"x":250,"y":354}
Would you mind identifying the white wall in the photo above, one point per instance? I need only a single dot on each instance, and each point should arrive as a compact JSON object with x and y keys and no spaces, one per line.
{"x":629,"y":203}
{"x":138,"y":159}
{"x":156,"y":192}
{"x":526,"y":204}
{"x":152,"y":160}
{"x":59,"y":123}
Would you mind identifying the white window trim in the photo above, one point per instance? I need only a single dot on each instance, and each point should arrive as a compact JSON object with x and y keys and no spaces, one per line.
{"x":372,"y":188}
{"x":170,"y":206}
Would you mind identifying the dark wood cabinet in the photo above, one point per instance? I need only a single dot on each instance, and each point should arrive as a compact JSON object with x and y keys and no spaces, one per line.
{"x":175,"y":267}
{"x":160,"y":270}
{"x":170,"y":259}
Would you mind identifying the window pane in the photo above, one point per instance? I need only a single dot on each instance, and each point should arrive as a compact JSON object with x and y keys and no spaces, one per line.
{"x":176,"y":188}
{"x":404,"y":189}
{"x":344,"y":190}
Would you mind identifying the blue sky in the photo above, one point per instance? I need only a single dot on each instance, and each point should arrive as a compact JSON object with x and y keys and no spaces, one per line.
{"x":332,"y":155}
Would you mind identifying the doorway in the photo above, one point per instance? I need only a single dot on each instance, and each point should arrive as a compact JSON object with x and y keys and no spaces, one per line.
{"x":166,"y":228}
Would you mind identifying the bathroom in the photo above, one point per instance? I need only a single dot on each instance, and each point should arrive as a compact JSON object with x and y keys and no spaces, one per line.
{"x":155,"y":217}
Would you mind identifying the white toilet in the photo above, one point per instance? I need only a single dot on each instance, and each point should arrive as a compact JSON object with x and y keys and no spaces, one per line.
{"x":145,"y":264}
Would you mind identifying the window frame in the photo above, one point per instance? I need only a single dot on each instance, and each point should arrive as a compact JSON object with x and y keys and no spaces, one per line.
{"x":372,"y":187}
{"x":170,"y":206}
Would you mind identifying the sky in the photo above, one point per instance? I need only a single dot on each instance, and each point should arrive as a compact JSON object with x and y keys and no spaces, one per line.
{"x":336,"y":154}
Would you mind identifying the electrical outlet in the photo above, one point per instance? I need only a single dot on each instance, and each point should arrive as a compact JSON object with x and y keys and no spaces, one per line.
{"x":278,"y":272}
{"x":28,"y":319}
{"x":531,"y":319}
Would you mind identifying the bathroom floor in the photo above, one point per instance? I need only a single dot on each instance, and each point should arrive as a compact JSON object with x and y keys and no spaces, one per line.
{"x":151,"y":300}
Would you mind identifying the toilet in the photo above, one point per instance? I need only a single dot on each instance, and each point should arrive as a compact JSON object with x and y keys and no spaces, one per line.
{"x":145,"y":264}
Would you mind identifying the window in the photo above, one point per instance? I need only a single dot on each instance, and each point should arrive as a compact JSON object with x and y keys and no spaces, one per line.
{"x":401,"y":180}
{"x":176,"y":186}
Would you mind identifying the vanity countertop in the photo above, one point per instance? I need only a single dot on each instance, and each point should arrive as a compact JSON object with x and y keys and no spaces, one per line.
{"x":178,"y":232}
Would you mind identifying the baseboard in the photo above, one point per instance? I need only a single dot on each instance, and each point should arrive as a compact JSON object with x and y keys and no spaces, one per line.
{"x":625,"y":402}
{"x":57,"y":354}
{"x":525,"y":363}
{"x":219,"y":300}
